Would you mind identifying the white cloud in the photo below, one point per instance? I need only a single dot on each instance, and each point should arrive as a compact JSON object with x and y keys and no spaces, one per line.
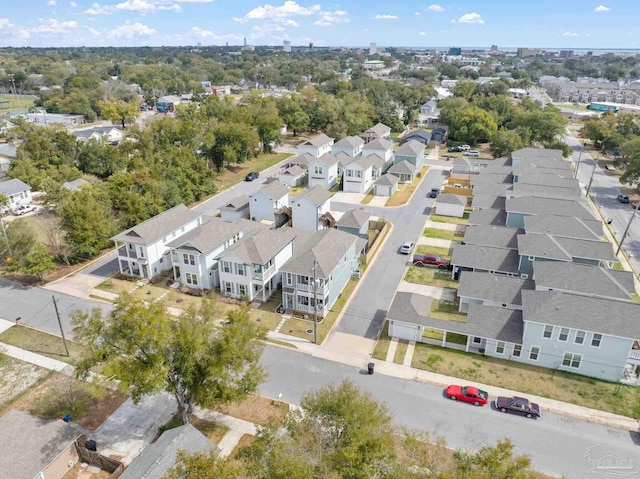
{"x":422,"y":34}
{"x":587,"y":34}
{"x":130,"y":31}
{"x":198,"y":34}
{"x":328,"y":19}
{"x":54,"y":26}
{"x":94,"y":32}
{"x":417,"y":14}
{"x":73,"y":4}
{"x":140,"y":6}
{"x":469,"y":18}
{"x":5,"y":24}
{"x":97,"y":9}
{"x":271,"y":13}
{"x":435,"y":8}
{"x":51,"y":3}
{"x":569,"y":34}
{"x":385,"y":17}
{"x":601,"y":9}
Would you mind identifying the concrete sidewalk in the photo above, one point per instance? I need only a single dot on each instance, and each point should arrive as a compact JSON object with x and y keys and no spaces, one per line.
{"x":237,"y":428}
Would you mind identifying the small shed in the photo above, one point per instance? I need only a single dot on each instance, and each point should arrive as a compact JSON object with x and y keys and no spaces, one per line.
{"x":355,"y":222}
{"x":451,"y":205}
{"x":292,"y":176}
{"x":386,"y":185}
{"x":235,"y":209}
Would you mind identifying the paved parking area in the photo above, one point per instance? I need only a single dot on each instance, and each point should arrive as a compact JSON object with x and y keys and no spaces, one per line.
{"x":344,"y":197}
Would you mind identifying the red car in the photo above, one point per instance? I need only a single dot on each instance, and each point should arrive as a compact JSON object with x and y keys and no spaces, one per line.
{"x":431,"y":260}
{"x":467,"y":394}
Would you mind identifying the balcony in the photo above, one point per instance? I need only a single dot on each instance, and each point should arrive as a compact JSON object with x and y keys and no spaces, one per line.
{"x":322,"y":312}
{"x":127,"y":253}
{"x":263,"y":274}
{"x":635,"y":355}
{"x":322,"y":288}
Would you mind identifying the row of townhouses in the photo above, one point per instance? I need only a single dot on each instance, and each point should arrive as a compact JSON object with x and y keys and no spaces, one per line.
{"x":589,"y":92}
{"x":536,"y":277}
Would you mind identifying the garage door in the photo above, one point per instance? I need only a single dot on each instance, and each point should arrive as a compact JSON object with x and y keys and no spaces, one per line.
{"x":407,"y":332}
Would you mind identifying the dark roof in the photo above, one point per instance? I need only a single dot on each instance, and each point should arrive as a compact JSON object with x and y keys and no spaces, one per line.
{"x":13,"y":186}
{"x":30,"y":444}
{"x":586,"y":249}
{"x":354,"y":219}
{"x":605,"y":316}
{"x":494,"y":236}
{"x":488,"y":217}
{"x":419,"y":135}
{"x":564,"y":226}
{"x":584,"y":279}
{"x":541,"y":246}
{"x":490,"y":202}
{"x":547,"y":206}
{"x":496,"y":288}
{"x":157,"y":458}
{"x":160,"y":225}
{"x":485,"y":258}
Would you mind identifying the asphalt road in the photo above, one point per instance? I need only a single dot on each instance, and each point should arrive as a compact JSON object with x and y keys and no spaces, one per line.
{"x":367,"y":309}
{"x":556,"y":444}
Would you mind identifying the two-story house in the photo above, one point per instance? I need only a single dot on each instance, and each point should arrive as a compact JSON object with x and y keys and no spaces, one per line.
{"x":270,"y":204}
{"x":17,"y":191}
{"x":250,"y":269}
{"x":144,"y":251}
{"x":413,"y":152}
{"x":194,"y":254}
{"x":382,"y":148}
{"x":358,"y":175}
{"x":310,"y":211}
{"x":323,"y":171}
{"x":317,"y":146}
{"x":379,"y":131}
{"x":350,"y":145}
{"x":314,"y":278}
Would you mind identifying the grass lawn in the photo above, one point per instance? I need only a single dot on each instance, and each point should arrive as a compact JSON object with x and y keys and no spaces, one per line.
{"x":402,"y":196}
{"x":41,"y":343}
{"x":296,"y":191}
{"x":214,"y":432}
{"x":245,"y":440}
{"x":450,"y":219}
{"x":442,"y":234}
{"x":265,"y":314}
{"x":401,"y":351}
{"x":560,"y":385}
{"x":447,"y":310}
{"x":439,"y":250}
{"x":383,"y":343}
{"x":298,"y":327}
{"x":236,"y":172}
{"x":256,"y":409}
{"x":367,"y":199}
{"x":431,"y":277}
{"x":618,"y":266}
{"x":16,"y":104}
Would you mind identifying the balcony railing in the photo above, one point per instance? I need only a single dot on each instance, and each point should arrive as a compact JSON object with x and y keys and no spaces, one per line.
{"x":262,"y":274}
{"x":311,"y":309}
{"x":322,"y":288}
{"x":635,"y":354}
{"x":127,"y":253}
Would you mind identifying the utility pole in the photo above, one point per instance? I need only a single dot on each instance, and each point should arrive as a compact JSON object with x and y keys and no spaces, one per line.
{"x":591,"y":179}
{"x":578,"y":166}
{"x":626,"y":230}
{"x":315,"y":304}
{"x":64,"y":340}
{"x":13,"y":82}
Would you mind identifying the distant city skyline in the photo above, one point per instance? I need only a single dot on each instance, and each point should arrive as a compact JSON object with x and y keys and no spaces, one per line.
{"x":570,"y":24}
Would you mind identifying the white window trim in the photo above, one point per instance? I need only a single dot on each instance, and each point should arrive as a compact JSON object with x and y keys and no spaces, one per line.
{"x":513,"y":351}
{"x":599,"y":343}
{"x":544,"y":331}
{"x":504,"y":347}
{"x":572,"y":356}
{"x":584,"y":336}
{"x":560,"y":335}
{"x":538,"y":355}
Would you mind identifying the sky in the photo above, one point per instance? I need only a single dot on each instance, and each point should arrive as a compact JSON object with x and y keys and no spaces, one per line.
{"x":519,"y":23}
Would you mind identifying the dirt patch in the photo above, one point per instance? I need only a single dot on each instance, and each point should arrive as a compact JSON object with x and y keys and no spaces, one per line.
{"x":79,"y":471}
{"x":88,"y":404}
{"x":214,"y":432}
{"x":256,"y":409}
{"x":245,"y":440}
{"x":16,"y":377}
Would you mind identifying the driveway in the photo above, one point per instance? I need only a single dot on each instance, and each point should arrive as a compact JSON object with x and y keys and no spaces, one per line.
{"x":345,"y":197}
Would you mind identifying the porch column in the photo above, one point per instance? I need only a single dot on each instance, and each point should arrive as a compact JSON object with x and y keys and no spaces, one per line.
{"x":444,"y":339}
{"x":466,"y":348}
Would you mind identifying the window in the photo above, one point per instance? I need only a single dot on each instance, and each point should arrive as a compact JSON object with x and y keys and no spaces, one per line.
{"x":500,"y":347}
{"x":189,"y":259}
{"x":243,"y":289}
{"x":240,"y":269}
{"x":517,"y":350}
{"x":533,"y":354}
{"x":580,"y":337}
{"x":228,"y":287}
{"x":192,"y":279}
{"x":596,"y":340}
{"x":358,"y":174}
{"x":571,"y":360}
{"x":548,"y":331}
{"x":288,"y":278}
{"x":477,"y":340}
{"x":349,"y":173}
{"x":532,"y":258}
{"x":317,"y":170}
{"x":564,"y":334}
{"x":226,"y":266}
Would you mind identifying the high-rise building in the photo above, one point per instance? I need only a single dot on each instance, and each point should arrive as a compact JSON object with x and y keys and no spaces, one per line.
{"x":566,"y":54}
{"x":527,"y":52}
{"x":494,"y":48}
{"x":455,"y":51}
{"x":373,"y":48}
{"x":245,"y":41}
{"x":286,"y":46}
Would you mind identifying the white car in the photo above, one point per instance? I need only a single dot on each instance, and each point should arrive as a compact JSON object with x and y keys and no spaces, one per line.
{"x":471,"y":153}
{"x":465,"y":147}
{"x":407,"y":247}
{"x":23,"y":210}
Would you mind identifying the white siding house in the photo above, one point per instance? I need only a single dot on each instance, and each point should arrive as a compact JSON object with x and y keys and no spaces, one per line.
{"x":316,"y":146}
{"x":381,"y":147}
{"x":235,"y":209}
{"x":358,"y":176}
{"x":350,"y":145}
{"x":293,"y":176}
{"x":310,"y":211}
{"x":386,"y":185}
{"x":270,"y":203}
{"x":323,"y":171}
{"x":18,"y":192}
{"x":451,"y":205}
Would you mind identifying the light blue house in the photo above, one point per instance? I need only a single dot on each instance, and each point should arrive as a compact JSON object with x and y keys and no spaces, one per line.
{"x":330,"y":256}
{"x":355,"y":222}
{"x":413,"y":152}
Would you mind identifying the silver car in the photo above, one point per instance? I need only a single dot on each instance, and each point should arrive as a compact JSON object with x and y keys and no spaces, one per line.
{"x":407,"y":247}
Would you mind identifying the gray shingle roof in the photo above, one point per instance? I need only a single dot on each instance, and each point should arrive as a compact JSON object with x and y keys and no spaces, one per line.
{"x":583,"y":279}
{"x":483,"y":321}
{"x":160,"y":225}
{"x":157,"y":458}
{"x":488,"y":217}
{"x":489,"y":178}
{"x":349,"y":142}
{"x":380,"y":130}
{"x":344,"y":159}
{"x":490,"y":202}
{"x":354,"y":219}
{"x":452,"y":199}
{"x":547,"y":206}
{"x":261,"y":246}
{"x":375,"y":160}
{"x":541,"y":246}
{"x":302,"y":160}
{"x":294,"y":171}
{"x":462,"y":161}
{"x":29,"y":444}
{"x":579,"y":248}
{"x":274,"y":190}
{"x":13,"y":186}
{"x":208,"y":236}
{"x":9,"y":151}
{"x":327,"y":159}
{"x":548,"y":179}
{"x":100,"y":130}
{"x":380,"y":144}
{"x":485,"y":258}
{"x":548,"y":168}
{"x":75,"y":184}
{"x":318,"y":195}
{"x":545,"y":191}
{"x":411,"y":148}
{"x":318,"y":140}
{"x":327,"y":247}
{"x":403,"y":167}
{"x":564,"y":226}
{"x":492,"y":189}
{"x":494,"y":236}
{"x":365,"y":162}
{"x":493,"y":287}
{"x":237,"y":203}
{"x":530,"y":154}
{"x":421,"y":136}
{"x":602,"y":316}
{"x":387,"y":180}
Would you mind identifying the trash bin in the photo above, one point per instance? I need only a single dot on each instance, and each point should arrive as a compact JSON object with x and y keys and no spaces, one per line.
{"x":91,"y":445}
{"x":370,"y":367}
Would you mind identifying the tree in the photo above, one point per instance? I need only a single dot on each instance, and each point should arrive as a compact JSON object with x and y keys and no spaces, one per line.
{"x":38,"y":262}
{"x":450,"y":110}
{"x":491,"y":462}
{"x":474,"y":124}
{"x":4,"y":201}
{"x":504,"y":142}
{"x":597,"y":129}
{"x":21,"y":239}
{"x":292,"y":114}
{"x":196,"y":357}
{"x":201,"y":465}
{"x":631,"y":151}
{"x":464,"y":89}
{"x":119,"y":111}
{"x":232,"y":143}
{"x":89,"y":222}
